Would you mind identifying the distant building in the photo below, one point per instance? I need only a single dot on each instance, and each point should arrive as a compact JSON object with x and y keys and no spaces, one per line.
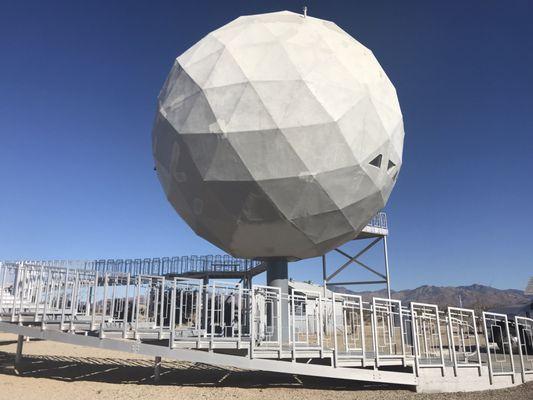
{"x":529,"y":287}
{"x":529,"y":292}
{"x":520,"y":309}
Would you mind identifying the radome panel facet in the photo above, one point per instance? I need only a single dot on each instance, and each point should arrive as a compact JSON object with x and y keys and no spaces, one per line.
{"x":278,"y":136}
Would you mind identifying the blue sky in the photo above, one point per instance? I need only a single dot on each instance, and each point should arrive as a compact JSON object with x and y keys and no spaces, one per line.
{"x":78,"y":88}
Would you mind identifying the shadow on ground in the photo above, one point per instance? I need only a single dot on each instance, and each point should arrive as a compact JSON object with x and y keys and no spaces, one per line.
{"x":133,"y":371}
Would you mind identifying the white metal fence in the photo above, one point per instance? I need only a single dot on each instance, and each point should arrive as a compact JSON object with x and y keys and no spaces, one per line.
{"x":341,"y":328}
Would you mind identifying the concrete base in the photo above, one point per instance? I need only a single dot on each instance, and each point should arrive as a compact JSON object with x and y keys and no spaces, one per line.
{"x":468,"y":380}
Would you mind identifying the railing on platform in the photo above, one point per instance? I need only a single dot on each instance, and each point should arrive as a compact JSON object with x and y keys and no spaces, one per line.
{"x":378,"y":221}
{"x":524,"y":335}
{"x":163,"y":266}
{"x":463,"y":338}
{"x":499,"y":345}
{"x":186,"y":313}
{"x":172,"y":266}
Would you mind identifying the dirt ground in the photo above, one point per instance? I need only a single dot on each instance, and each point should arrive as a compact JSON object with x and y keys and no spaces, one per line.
{"x":57,"y":371}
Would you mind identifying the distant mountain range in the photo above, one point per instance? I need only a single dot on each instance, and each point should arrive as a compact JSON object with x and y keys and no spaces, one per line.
{"x":475,"y":296}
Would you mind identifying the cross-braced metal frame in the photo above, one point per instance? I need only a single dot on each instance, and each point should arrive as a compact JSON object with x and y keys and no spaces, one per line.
{"x":374,"y":233}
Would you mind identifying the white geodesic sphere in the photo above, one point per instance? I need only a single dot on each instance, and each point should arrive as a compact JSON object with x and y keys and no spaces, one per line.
{"x":278,"y":136}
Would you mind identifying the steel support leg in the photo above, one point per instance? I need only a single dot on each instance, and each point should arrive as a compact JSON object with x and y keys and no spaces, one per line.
{"x":324,"y":275}
{"x":18,"y":354}
{"x":205,"y":302}
{"x":386,"y":254}
{"x":157,"y":369}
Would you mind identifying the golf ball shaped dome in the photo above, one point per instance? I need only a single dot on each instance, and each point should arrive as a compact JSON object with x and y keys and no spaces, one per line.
{"x":278,"y":135}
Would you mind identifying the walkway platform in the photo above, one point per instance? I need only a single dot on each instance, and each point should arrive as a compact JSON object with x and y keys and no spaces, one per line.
{"x":226,"y":324}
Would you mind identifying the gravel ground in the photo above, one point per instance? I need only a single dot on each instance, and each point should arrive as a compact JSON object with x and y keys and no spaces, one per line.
{"x":57,"y":371}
